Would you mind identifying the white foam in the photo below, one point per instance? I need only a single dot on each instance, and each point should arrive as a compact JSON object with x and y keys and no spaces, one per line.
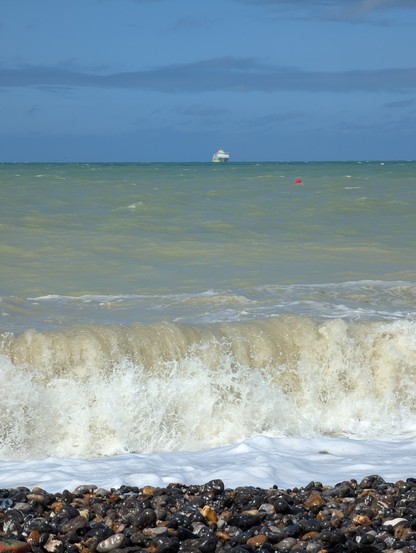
{"x":260,"y":461}
{"x":167,"y":387}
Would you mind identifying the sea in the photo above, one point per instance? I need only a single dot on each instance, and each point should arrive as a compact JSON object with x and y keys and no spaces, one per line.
{"x":179,"y":322}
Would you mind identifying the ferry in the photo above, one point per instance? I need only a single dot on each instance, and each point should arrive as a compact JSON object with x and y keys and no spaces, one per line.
{"x":220,"y":156}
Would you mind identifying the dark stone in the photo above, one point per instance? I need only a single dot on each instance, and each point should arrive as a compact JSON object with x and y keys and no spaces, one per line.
{"x":39,"y":524}
{"x":98,"y":531}
{"x":15,"y":515}
{"x":67,"y":497}
{"x":272,"y":536}
{"x":20,"y":496}
{"x":36,"y":508}
{"x":282,"y":506}
{"x":245,"y":521}
{"x":293,"y":531}
{"x":241,"y":549}
{"x":73,"y":525}
{"x":266,"y":548}
{"x":145,"y":504}
{"x":183,"y":533}
{"x":43,"y":538}
{"x":139,"y":539}
{"x":6,"y":503}
{"x":207,"y":545}
{"x":70,"y":538}
{"x":310,"y":524}
{"x":71,"y":549}
{"x":332,"y":538}
{"x":372,"y":481}
{"x":216,"y":487}
{"x":67,"y":511}
{"x":241,"y":537}
{"x":146,"y":519}
{"x":313,"y":486}
{"x":400,"y":544}
{"x":166,"y":545}
{"x":367,"y":538}
{"x":179,"y":520}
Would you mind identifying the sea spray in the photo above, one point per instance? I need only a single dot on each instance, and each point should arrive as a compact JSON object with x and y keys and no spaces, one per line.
{"x":102,"y":390}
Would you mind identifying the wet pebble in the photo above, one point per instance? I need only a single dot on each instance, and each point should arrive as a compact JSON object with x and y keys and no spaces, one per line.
{"x":13,"y":546}
{"x":372,"y":515}
{"x":113,"y":542}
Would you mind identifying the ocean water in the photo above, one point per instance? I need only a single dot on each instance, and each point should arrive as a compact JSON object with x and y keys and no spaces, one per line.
{"x":179,"y":322}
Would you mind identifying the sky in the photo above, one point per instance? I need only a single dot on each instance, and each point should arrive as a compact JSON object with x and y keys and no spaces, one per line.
{"x":174,"y":80}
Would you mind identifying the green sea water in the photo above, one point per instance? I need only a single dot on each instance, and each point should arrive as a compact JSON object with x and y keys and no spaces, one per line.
{"x":74,"y":229}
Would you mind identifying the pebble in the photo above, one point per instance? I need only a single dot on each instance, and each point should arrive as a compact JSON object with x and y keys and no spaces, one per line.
{"x":14,"y":546}
{"x":113,"y":542}
{"x":368,"y":516}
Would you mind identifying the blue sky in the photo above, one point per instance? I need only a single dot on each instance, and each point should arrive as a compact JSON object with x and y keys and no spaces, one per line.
{"x":173,"y":80}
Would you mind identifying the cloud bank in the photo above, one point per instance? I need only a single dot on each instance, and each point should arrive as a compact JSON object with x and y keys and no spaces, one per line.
{"x":227,"y":74}
{"x":336,"y":10}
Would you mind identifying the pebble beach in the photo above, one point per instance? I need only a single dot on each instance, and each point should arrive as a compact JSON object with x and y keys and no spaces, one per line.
{"x":368,"y":516}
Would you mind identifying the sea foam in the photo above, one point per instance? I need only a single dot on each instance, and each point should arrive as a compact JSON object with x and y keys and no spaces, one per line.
{"x":101,"y":390}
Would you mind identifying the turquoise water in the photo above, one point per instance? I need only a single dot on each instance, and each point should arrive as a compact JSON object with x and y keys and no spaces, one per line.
{"x":139,"y":301}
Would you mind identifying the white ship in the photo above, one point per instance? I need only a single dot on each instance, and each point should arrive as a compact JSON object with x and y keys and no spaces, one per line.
{"x":220,"y":156}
